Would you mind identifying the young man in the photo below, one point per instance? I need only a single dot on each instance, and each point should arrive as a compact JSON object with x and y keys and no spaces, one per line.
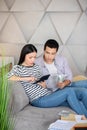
{"x":52,"y":63}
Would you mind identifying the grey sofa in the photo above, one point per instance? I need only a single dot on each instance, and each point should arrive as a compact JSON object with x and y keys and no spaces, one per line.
{"x":28,"y":117}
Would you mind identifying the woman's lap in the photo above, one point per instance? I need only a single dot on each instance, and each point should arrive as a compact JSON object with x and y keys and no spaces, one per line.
{"x":53,"y":100}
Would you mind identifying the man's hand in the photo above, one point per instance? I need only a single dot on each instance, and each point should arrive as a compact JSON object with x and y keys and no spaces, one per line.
{"x":63,"y":84}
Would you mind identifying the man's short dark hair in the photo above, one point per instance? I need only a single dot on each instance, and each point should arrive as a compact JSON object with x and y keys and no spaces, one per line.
{"x":51,"y":43}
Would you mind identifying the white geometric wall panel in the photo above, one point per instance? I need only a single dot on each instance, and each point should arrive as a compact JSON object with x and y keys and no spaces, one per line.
{"x":64,"y":23}
{"x":28,"y":22}
{"x":7,"y":49}
{"x":11,"y":32}
{"x":79,"y":54}
{"x":45,"y":3}
{"x":35,"y":21}
{"x":63,"y":5}
{"x":79,"y":35}
{"x":3,"y":18}
{"x":44,"y":31}
{"x":28,"y":5}
{"x":83,"y":4}
{"x":3,"y":6}
{"x":9,"y":3}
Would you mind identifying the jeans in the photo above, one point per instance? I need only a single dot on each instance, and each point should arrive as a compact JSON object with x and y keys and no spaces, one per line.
{"x":80,"y":88}
{"x":81,"y":83}
{"x":81,"y":95}
{"x":58,"y":97}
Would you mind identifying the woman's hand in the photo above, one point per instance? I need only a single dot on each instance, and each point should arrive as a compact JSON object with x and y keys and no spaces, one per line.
{"x":43,"y":84}
{"x":31,"y":79}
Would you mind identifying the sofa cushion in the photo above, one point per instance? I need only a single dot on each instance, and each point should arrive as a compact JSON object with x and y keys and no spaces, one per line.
{"x":18,"y":98}
{"x":35,"y":118}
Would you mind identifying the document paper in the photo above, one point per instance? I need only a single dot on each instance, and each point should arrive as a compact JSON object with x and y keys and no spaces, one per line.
{"x":62,"y":125}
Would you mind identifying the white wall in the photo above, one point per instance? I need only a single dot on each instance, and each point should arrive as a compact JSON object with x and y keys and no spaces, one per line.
{"x":35,"y":21}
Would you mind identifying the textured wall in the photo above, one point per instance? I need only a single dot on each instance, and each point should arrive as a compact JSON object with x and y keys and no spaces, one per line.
{"x":35,"y":21}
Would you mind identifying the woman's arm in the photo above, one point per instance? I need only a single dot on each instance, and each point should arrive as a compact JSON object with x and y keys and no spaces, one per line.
{"x":18,"y":78}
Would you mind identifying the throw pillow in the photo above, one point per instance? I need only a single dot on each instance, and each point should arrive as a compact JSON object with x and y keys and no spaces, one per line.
{"x":18,"y":98}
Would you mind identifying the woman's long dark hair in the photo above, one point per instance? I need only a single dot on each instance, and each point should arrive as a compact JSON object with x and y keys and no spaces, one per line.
{"x":28,"y":48}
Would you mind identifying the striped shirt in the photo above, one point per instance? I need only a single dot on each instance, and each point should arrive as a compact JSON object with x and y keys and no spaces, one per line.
{"x":33,"y":91}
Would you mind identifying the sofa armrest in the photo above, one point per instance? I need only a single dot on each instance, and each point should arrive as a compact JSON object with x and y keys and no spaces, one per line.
{"x":18,"y":97}
{"x":79,"y":77}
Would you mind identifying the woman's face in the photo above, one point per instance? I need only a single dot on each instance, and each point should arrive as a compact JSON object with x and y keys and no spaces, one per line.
{"x":30,"y":59}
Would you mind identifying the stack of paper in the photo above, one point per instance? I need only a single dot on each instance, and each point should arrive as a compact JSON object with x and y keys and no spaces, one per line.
{"x":62,"y":125}
{"x":78,"y":119}
{"x":67,"y":122}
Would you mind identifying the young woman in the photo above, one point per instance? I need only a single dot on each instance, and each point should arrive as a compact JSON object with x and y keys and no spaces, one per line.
{"x":27,"y":72}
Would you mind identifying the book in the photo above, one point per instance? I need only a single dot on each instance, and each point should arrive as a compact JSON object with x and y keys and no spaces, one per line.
{"x":45,"y":77}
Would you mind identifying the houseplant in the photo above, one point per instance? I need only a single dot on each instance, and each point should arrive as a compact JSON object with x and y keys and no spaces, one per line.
{"x":6,"y":122}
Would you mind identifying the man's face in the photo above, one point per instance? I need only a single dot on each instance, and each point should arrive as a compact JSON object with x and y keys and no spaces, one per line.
{"x":49,"y":54}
